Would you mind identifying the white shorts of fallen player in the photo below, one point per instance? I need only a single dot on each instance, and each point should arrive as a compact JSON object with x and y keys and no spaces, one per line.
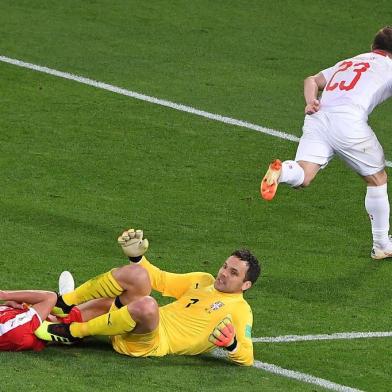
{"x":326,"y":134}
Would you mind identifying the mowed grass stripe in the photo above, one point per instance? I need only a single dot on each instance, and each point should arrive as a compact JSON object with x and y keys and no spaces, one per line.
{"x":147,"y":98}
{"x":154,"y":100}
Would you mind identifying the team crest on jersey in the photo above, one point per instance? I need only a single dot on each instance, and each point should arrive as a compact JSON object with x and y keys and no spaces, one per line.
{"x":215,"y":306}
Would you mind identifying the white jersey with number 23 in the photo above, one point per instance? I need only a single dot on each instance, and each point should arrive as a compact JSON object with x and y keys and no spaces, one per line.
{"x":361,"y":82}
{"x":354,"y":87}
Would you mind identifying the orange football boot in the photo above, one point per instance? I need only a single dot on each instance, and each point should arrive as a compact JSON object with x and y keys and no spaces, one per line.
{"x":269,"y":184}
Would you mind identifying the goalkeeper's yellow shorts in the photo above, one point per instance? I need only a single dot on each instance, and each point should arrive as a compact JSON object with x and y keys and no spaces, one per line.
{"x":151,"y":344}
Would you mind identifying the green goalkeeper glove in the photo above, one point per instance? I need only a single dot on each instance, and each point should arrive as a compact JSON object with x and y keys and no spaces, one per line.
{"x":133,"y":244}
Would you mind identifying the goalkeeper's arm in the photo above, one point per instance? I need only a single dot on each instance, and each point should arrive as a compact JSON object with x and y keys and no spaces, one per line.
{"x":234,"y":337}
{"x":224,"y":335}
{"x":133,"y":244}
{"x":167,"y":283}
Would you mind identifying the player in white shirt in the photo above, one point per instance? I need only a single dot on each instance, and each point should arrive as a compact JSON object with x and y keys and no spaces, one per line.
{"x":337,"y":125}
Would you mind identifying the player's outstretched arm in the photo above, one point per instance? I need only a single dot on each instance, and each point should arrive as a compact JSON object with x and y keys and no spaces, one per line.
{"x":41,"y":301}
{"x":169,"y":284}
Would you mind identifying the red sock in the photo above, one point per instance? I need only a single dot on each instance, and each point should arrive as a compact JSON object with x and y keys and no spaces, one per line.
{"x":74,"y":315}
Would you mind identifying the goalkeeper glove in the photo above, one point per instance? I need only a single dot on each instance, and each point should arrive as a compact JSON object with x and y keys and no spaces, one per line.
{"x":133,"y":244}
{"x":223,"y":335}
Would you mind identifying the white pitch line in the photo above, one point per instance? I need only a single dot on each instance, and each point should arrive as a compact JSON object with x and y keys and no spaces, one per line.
{"x":154,"y":100}
{"x":303,"y":377}
{"x":147,"y":98}
{"x":333,"y":336}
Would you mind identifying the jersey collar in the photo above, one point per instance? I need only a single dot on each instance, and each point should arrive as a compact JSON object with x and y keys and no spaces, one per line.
{"x":380,"y":52}
{"x":227,"y":295}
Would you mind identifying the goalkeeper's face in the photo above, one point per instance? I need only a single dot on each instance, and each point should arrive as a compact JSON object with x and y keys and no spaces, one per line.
{"x":231,"y":276}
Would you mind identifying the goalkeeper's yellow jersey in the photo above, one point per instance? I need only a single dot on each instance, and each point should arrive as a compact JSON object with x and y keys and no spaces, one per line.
{"x":188,"y":321}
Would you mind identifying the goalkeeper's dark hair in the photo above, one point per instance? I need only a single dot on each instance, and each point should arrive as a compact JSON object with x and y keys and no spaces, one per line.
{"x":253,"y":264}
{"x":383,"y":39}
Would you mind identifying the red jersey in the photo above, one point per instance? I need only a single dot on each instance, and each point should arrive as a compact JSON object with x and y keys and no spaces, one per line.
{"x":17,"y":328}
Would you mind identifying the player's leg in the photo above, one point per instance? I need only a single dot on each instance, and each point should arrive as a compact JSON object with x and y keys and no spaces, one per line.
{"x":128,"y":282}
{"x":140,"y":316}
{"x":296,"y":174}
{"x":94,"y":308}
{"x":101,"y":286}
{"x":133,"y":308}
{"x":83,"y":312}
{"x":135,"y":282}
{"x":277,"y":170}
{"x":313,"y":153}
{"x":377,"y":206}
{"x":299,"y":173}
{"x":365,"y":156}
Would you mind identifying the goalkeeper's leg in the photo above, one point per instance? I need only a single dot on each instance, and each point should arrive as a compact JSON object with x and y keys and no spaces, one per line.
{"x":128,"y":282}
{"x":133,"y":310}
{"x":140,"y":316}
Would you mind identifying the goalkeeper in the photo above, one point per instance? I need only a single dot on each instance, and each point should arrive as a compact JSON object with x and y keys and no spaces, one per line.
{"x":207,"y":312}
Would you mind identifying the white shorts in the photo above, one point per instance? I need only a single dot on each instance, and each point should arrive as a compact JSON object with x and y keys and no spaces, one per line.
{"x":326,"y":134}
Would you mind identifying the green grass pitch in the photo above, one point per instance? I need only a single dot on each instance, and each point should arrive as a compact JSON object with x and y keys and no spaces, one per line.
{"x":78,"y":165}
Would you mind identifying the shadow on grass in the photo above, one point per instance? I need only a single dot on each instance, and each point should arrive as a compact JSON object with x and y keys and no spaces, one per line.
{"x":100,"y":346}
{"x":333,"y":290}
{"x":44,"y":219}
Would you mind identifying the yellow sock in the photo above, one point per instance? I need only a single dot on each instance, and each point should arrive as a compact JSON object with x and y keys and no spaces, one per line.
{"x":116,"y":322}
{"x":102,"y":286}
